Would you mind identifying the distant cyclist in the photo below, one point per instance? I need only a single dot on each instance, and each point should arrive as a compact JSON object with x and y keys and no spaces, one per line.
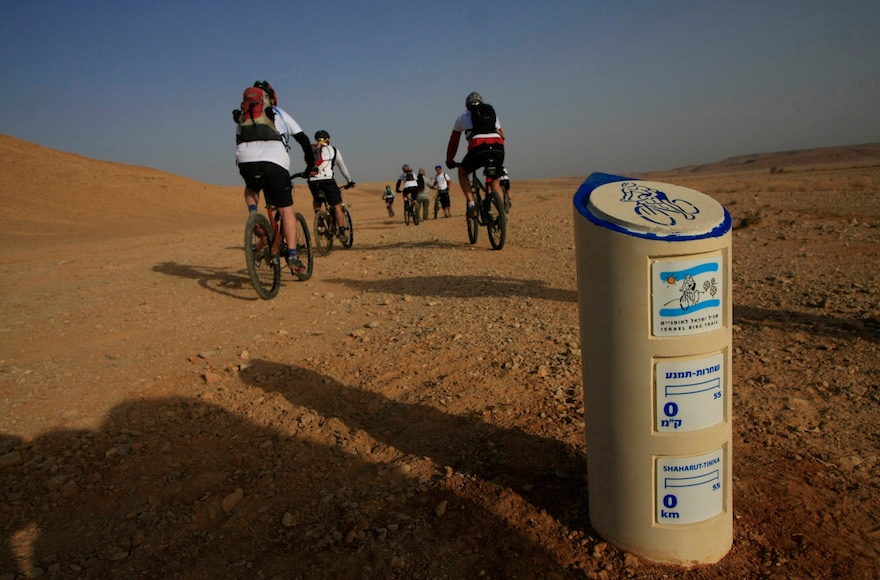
{"x":322,"y":183}
{"x":263,"y":133}
{"x":410,"y":182}
{"x":388,"y":196}
{"x":485,"y":138}
{"x":505,"y":185}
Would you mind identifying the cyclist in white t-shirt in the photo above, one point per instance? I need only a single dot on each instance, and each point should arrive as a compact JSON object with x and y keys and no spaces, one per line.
{"x":265,"y":165}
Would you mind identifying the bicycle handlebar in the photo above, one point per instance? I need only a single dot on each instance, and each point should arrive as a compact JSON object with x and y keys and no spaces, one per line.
{"x":304,"y":175}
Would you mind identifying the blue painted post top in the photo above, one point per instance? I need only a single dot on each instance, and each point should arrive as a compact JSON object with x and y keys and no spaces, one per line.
{"x":650,"y":209}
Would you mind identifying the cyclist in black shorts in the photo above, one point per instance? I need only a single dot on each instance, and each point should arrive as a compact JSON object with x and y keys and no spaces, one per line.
{"x":411,"y":183}
{"x":326,"y":159}
{"x":264,"y":164}
{"x":485,"y":144}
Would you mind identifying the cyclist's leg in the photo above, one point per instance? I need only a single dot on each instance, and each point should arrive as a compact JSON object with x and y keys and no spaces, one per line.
{"x":278,"y":191}
{"x":252,"y":186}
{"x":315,"y":188}
{"x":465,"y":184}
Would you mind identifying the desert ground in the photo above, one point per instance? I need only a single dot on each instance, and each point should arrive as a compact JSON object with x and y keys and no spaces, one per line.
{"x":415,"y":410}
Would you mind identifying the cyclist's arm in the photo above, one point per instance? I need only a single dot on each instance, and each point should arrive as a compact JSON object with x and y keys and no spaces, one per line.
{"x":308,"y":154}
{"x":452,"y":146}
{"x":340,"y":163}
{"x":397,"y":186}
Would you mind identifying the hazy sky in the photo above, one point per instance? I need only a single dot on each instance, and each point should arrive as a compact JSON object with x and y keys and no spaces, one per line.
{"x":579,"y":86}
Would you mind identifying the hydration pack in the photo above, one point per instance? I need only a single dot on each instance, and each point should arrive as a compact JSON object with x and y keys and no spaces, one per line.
{"x":257,"y":118}
{"x":483,"y":119}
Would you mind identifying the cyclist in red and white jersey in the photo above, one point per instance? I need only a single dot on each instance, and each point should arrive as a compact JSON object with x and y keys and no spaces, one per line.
{"x":326,"y":158}
{"x":483,"y":149}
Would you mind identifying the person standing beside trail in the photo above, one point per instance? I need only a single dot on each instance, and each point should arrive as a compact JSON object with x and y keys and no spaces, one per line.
{"x":262,"y":135}
{"x":441,"y":184}
{"x":485,"y":138}
{"x":322,"y":183}
{"x":423,"y":198}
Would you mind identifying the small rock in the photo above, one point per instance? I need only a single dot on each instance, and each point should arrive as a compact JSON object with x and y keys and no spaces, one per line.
{"x":441,"y":508}
{"x":287,"y":520}
{"x":230,"y":501}
{"x":212,"y":378}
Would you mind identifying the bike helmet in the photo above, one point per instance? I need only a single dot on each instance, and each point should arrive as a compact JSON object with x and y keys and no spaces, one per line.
{"x":322,"y":135}
{"x":269,"y":90}
{"x":406,"y":167}
{"x":473,"y":99}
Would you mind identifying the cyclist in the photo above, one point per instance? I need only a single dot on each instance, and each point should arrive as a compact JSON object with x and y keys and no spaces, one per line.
{"x":410,"y":184}
{"x":322,"y":183}
{"x":485,"y":145}
{"x":505,"y":184}
{"x":264,"y":164}
{"x":441,"y":184}
{"x":388,"y":196}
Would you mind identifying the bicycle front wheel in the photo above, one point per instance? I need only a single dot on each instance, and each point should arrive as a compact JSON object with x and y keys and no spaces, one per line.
{"x":473,"y":225}
{"x":496,"y":221}
{"x":406,"y":212}
{"x":263,"y":268}
{"x":304,"y":247}
{"x":323,"y":233}
{"x":349,"y":228}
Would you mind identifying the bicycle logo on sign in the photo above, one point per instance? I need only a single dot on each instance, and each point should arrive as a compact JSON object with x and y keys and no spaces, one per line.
{"x":655,"y":206}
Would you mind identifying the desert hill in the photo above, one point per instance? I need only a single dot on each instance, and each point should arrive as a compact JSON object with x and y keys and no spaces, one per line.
{"x":82,"y":192}
{"x":802,"y":159}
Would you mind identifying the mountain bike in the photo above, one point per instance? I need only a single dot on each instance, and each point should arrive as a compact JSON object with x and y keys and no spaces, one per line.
{"x":410,"y":211}
{"x":326,"y":230}
{"x":389,"y":202}
{"x":490,"y":211}
{"x":264,"y":245}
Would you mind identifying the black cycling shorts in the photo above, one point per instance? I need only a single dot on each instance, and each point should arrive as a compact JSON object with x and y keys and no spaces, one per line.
{"x":410,"y":192}
{"x":487,"y":155}
{"x":328,"y":189}
{"x":443,"y":194}
{"x":270,"y":178}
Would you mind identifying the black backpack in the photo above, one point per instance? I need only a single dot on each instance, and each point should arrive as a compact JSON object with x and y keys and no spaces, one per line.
{"x":483,"y":119}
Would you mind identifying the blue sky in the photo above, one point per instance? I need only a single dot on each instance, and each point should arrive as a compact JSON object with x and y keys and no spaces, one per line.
{"x":579,"y":86}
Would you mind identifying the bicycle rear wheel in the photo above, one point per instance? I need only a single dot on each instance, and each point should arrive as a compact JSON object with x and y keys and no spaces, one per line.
{"x":349,"y":228}
{"x":414,"y":207}
{"x":496,"y":221}
{"x":323,"y":233}
{"x":304,"y":247}
{"x":264,"y":271}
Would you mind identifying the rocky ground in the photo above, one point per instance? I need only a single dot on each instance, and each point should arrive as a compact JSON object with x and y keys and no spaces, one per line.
{"x":415,"y":410}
